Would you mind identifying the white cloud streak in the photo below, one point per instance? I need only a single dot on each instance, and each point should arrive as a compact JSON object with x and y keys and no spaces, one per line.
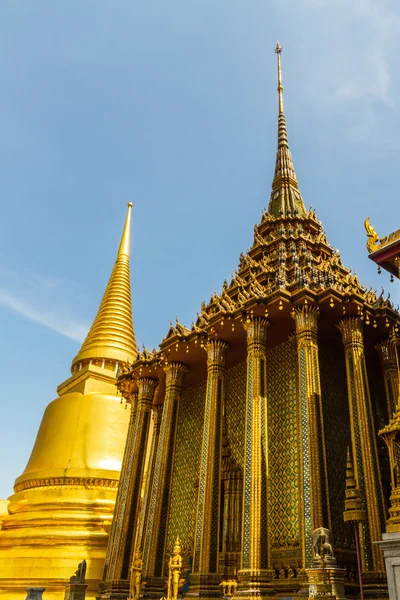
{"x":37,"y":298}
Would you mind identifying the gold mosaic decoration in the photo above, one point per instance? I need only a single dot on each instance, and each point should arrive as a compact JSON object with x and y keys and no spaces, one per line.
{"x":183,"y":505}
{"x":283,"y":446}
{"x":337,"y":437}
{"x":235,"y":407}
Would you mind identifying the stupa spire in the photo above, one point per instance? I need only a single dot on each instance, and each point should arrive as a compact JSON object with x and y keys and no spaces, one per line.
{"x":111,"y":336}
{"x":352,"y":504}
{"x":285,"y":196}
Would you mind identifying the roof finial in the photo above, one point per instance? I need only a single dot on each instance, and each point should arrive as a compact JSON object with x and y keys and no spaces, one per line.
{"x":278,"y":51}
{"x":285,"y":199}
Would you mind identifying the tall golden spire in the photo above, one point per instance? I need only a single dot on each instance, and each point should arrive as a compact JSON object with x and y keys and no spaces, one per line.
{"x":111,"y":337}
{"x":285,"y":196}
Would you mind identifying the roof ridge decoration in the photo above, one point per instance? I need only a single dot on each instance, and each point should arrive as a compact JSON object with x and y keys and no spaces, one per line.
{"x":374,"y":242}
{"x":285,"y":198}
{"x":289,"y":254}
{"x":111,"y":336}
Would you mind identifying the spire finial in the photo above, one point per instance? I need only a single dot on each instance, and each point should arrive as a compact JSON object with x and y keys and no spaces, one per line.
{"x":285,"y":199}
{"x":111,"y":336}
{"x":278,"y":51}
{"x":125,"y":245}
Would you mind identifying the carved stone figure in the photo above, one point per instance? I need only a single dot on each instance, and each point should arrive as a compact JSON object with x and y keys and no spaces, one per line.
{"x":80,"y":573}
{"x":136,"y":576}
{"x":174,"y":568}
{"x":322,"y":546}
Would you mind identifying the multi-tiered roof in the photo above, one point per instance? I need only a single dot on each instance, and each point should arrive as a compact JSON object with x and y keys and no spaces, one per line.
{"x":289,"y":263}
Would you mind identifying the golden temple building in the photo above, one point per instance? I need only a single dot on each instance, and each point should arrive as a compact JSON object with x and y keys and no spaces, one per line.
{"x":63,"y":502}
{"x":246,"y":432}
{"x":266,"y":416}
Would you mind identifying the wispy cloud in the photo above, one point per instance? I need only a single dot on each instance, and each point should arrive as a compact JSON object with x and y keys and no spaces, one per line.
{"x":357,"y":75}
{"x":37,"y":298}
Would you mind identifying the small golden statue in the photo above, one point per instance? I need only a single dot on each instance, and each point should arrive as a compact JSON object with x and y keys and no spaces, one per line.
{"x":174,"y":572}
{"x":228,"y":587}
{"x":373,"y":237}
{"x":136,"y":576}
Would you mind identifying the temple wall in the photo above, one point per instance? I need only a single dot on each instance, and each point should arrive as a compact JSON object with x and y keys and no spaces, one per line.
{"x":284,"y":472}
{"x":182,"y":517}
{"x":282,"y":440}
{"x":337,"y":437}
{"x":284,"y":496}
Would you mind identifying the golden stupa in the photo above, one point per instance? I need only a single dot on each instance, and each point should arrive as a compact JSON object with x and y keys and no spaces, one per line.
{"x":63,"y":502}
{"x":256,"y":405}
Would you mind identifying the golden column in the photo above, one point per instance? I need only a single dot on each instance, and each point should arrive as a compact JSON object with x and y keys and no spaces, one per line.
{"x":144,"y":511}
{"x":205,"y":578}
{"x":123,"y":529}
{"x":363,"y":440}
{"x":316,"y":512}
{"x":256,"y":573}
{"x":388,"y":357}
{"x":156,"y":526}
{"x":232,"y":480}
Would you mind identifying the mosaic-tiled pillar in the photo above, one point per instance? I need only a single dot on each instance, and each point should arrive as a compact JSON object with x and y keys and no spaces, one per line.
{"x":315,"y":499}
{"x":205,"y":579}
{"x":156,"y":414}
{"x":123,"y":477}
{"x":123,"y":529}
{"x":157,"y":518}
{"x":255,"y":573}
{"x":232,"y":520}
{"x":388,"y":357}
{"x":363,"y":440}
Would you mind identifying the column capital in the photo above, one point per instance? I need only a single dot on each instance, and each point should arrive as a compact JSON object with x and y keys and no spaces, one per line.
{"x":306,"y":319}
{"x":387,"y":353}
{"x":156,"y":414}
{"x":351,"y":329}
{"x":146,"y":389}
{"x":216,"y":352}
{"x":134,"y":403}
{"x":174,"y":373}
{"x":257,"y":331}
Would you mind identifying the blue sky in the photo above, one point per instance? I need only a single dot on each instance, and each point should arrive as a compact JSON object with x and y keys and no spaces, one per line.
{"x":172,"y":105}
